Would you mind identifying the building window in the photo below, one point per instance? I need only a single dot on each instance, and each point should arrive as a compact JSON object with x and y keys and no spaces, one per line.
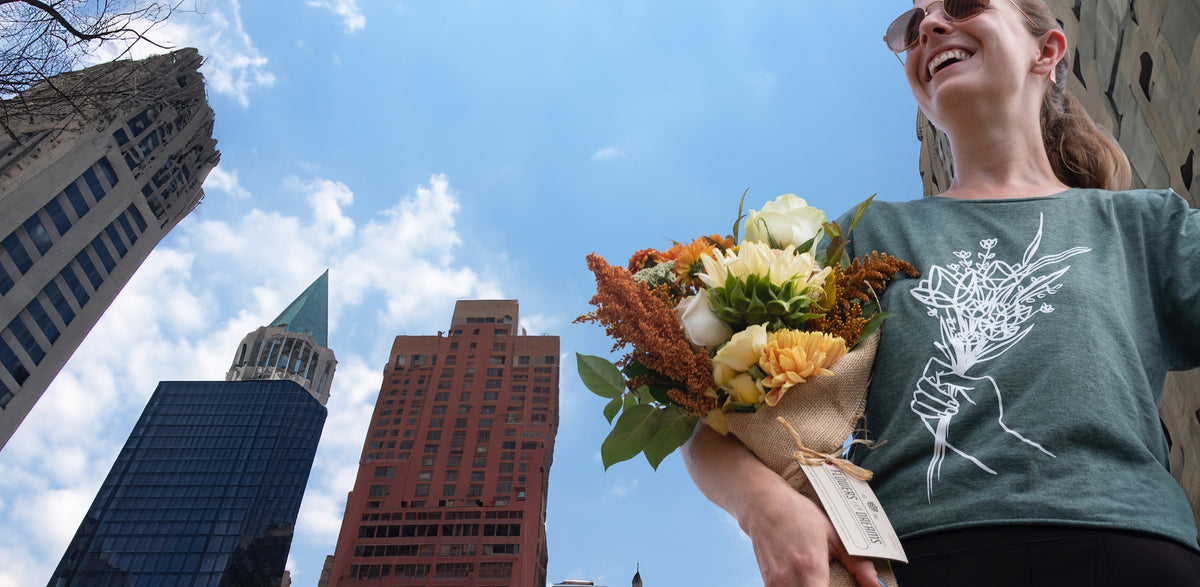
{"x":26,"y":339}
{"x":102,"y":252}
{"x":16,"y":251}
{"x":454,"y":569}
{"x":457,"y":550}
{"x":422,"y":490}
{"x":500,"y":549}
{"x":385,"y":472}
{"x":37,"y":233}
{"x":498,"y":570}
{"x":448,"y":490}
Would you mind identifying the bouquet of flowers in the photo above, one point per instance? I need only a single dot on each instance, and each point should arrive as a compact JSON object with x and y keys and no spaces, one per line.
{"x":770,"y":338}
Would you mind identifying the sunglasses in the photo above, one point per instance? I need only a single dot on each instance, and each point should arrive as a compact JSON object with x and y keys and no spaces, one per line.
{"x":904,"y":32}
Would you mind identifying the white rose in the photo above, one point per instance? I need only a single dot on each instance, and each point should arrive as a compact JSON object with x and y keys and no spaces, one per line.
{"x":700,"y":323}
{"x":789,"y":220}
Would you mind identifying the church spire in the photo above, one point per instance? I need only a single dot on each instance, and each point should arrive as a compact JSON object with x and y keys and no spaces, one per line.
{"x":309,"y":312}
{"x":637,"y":576}
{"x":292,"y":347}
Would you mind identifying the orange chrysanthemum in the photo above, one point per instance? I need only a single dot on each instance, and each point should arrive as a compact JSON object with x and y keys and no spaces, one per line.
{"x":687,"y":258}
{"x":643,"y":259}
{"x":792,"y":357}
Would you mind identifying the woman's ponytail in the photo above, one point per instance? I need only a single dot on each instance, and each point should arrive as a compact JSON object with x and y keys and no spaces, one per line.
{"x":1081,"y":153}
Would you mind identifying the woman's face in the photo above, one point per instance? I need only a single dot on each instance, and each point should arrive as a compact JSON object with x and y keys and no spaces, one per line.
{"x":985,"y":58}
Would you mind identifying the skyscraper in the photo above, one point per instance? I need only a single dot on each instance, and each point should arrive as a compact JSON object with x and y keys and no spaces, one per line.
{"x":452,"y":481}
{"x":96,"y":166}
{"x":207,"y":488}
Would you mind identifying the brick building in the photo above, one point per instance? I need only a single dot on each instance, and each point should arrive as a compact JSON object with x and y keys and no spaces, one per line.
{"x":452,"y":482}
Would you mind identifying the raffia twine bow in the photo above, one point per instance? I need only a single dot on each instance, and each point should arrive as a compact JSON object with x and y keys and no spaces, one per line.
{"x":810,"y":457}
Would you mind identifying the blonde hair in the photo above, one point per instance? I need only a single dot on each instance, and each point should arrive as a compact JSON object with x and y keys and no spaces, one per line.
{"x":1081,"y":153}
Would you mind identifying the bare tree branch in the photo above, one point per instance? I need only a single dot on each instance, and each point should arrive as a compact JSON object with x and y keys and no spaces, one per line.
{"x":43,"y":38}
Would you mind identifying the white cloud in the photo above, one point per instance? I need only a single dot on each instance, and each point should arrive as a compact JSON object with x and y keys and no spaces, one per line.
{"x":619,"y":490}
{"x":226,"y":181}
{"x":232,"y":64}
{"x":348,"y":10}
{"x":607,"y":153}
{"x":180,"y":318}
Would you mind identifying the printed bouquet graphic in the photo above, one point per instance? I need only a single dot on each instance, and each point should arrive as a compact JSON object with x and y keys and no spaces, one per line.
{"x":747,"y":336}
{"x":985,"y":307}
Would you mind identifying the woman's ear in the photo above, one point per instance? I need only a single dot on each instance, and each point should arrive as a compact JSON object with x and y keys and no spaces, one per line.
{"x":1052,"y":49}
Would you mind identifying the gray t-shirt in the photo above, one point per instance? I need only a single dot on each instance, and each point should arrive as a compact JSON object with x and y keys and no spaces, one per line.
{"x":1019,"y":378}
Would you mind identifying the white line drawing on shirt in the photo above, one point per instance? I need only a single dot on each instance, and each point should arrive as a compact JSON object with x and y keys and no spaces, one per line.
{"x":984,"y":306}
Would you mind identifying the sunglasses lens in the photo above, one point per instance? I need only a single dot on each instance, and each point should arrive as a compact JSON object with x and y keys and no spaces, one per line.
{"x":964,"y":9}
{"x":904,"y":30}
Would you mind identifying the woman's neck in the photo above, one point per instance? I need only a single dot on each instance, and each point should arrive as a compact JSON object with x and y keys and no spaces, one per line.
{"x":1000,"y":156}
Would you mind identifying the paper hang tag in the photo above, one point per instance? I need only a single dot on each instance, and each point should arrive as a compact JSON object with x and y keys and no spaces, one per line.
{"x":855,"y":513}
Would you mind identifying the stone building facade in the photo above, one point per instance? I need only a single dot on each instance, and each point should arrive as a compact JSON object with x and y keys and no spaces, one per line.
{"x":1136,"y":69}
{"x":96,"y":167}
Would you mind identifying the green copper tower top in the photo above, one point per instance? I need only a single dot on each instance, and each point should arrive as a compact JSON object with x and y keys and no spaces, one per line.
{"x":309,"y":312}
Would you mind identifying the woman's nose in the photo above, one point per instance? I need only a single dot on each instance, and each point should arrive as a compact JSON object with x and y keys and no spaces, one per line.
{"x":934,"y":23}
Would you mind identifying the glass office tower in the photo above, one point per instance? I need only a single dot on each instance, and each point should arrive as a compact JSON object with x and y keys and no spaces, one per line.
{"x":206,"y":491}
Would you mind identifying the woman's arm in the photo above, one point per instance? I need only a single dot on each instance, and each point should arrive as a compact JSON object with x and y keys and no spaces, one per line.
{"x":793,"y":538}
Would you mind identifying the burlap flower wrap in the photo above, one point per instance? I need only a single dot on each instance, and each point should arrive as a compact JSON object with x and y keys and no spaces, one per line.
{"x":824,"y":412}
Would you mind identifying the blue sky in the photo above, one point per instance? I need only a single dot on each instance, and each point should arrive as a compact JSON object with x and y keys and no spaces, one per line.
{"x":432,"y":151}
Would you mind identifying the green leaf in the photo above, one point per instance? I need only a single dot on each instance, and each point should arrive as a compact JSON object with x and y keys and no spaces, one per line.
{"x":858,"y":212}
{"x":659,"y":393}
{"x":737,"y":223}
{"x":808,"y":245}
{"x":635,"y":369}
{"x":600,"y":376}
{"x":613,"y":408}
{"x":870,"y":327}
{"x":629,"y":401}
{"x":636,"y":426}
{"x":643,"y":394}
{"x":675,"y":428}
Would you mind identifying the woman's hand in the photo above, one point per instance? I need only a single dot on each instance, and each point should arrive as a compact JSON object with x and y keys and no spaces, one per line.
{"x":793,"y":539}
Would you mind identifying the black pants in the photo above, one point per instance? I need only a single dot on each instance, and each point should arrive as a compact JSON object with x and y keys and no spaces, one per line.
{"x":1042,"y":556}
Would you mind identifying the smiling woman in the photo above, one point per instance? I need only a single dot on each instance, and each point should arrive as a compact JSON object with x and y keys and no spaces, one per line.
{"x":981,"y":389}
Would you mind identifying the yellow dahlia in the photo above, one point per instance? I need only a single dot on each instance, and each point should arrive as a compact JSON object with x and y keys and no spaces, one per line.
{"x":791,"y":357}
